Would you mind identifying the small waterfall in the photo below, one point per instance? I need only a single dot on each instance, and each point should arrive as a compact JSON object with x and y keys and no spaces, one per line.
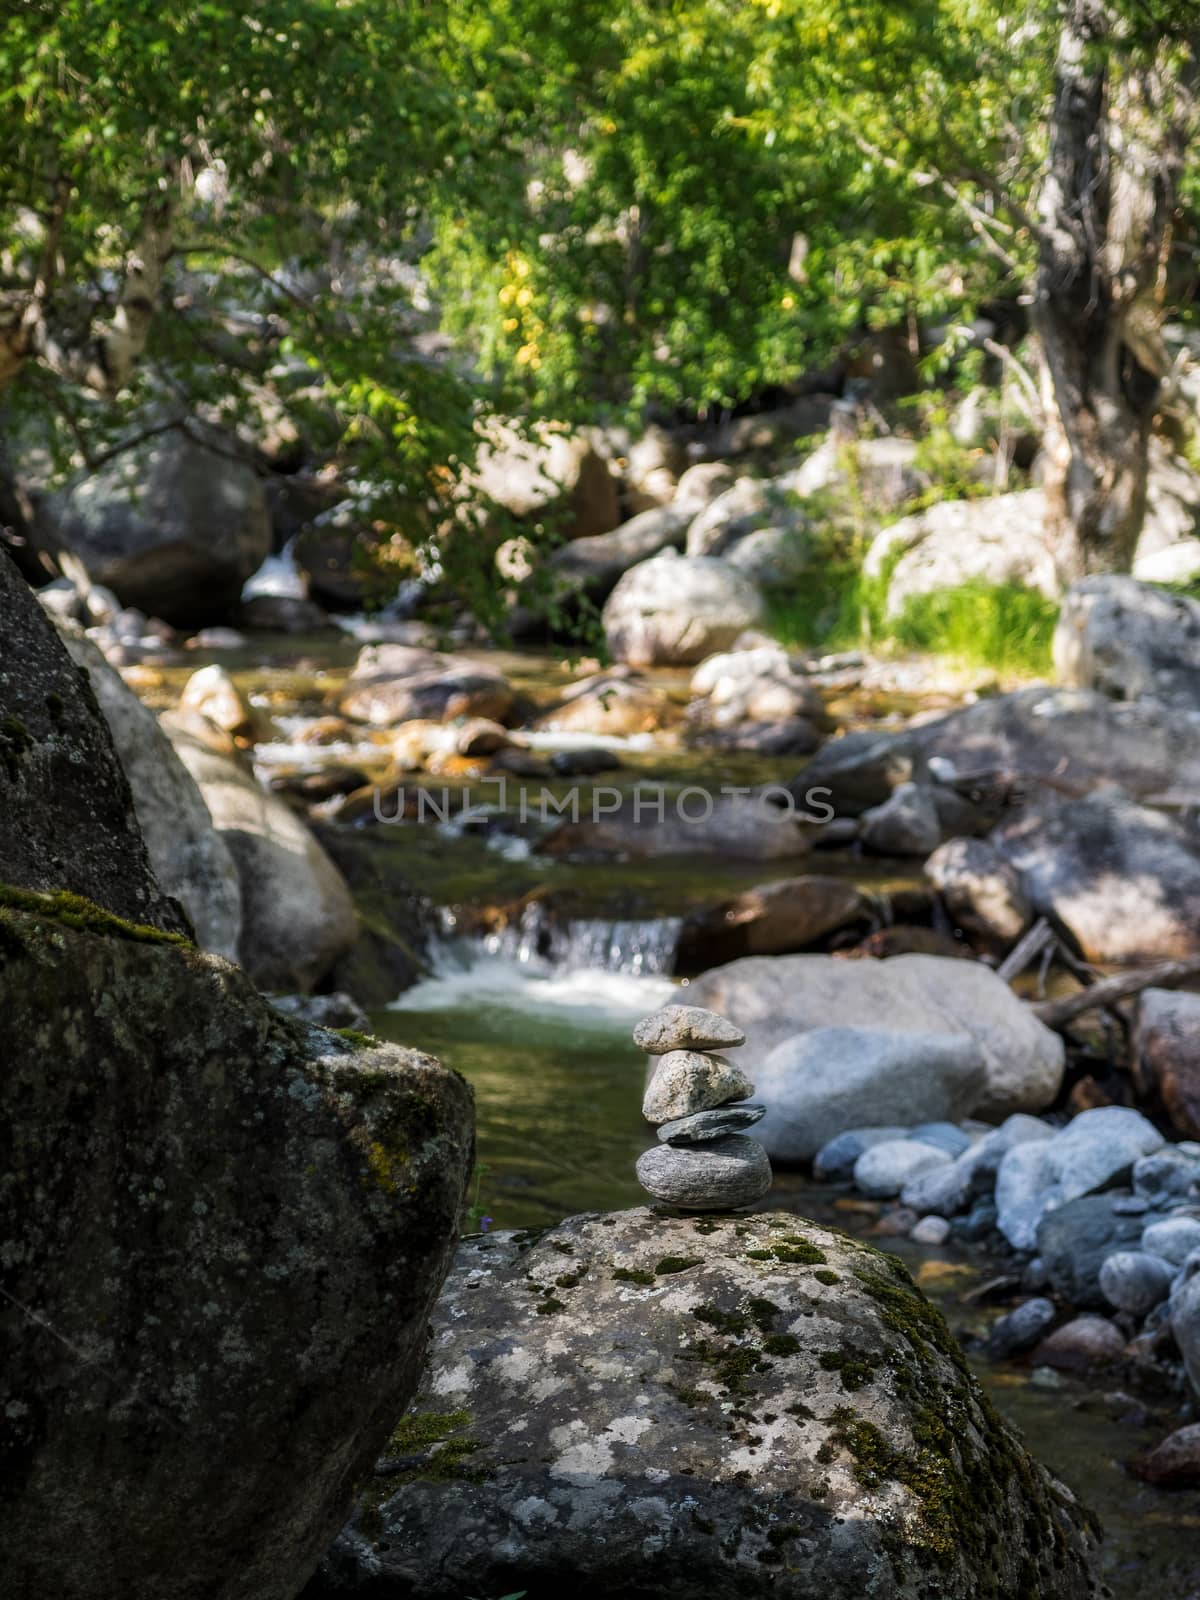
{"x":639,"y":946}
{"x":279,"y":575}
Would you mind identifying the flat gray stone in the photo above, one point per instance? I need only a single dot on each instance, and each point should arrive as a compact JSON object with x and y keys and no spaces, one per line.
{"x":704,"y":1126}
{"x":719,"y":1176}
{"x":685,"y":1028}
{"x":687,"y":1081}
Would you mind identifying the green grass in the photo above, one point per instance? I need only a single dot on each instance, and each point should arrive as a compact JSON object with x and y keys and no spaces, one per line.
{"x":1005,"y":627}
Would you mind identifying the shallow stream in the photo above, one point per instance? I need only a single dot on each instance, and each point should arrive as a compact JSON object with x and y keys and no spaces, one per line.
{"x":537,"y":1015}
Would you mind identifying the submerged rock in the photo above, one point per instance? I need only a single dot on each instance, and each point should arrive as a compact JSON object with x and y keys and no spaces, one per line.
{"x":631,"y":1405}
{"x":217,"y":1307}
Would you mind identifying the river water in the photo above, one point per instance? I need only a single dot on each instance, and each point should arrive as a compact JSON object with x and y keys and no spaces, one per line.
{"x":537,"y":1015}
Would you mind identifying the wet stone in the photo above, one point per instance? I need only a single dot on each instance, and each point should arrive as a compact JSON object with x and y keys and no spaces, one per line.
{"x":704,"y":1126}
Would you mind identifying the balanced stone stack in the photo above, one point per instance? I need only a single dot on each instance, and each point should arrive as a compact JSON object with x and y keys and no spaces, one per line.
{"x":697,"y":1100}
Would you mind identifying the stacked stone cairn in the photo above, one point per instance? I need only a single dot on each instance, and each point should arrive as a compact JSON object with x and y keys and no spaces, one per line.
{"x":697,"y":1101}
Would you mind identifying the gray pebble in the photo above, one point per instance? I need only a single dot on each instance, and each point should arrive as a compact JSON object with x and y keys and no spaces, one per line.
{"x":942,"y":1135}
{"x":1135,"y":1281}
{"x":883,"y":1170}
{"x":931,"y":1230}
{"x":1020,"y":1329}
{"x":978,"y":1223}
{"x":1174,"y":1238}
{"x":1130,"y":1205}
{"x":834,"y":1161}
{"x":686,"y":1081}
{"x":719,"y":1176}
{"x":1166,"y":1175}
{"x":685,"y":1028}
{"x":704,"y":1126}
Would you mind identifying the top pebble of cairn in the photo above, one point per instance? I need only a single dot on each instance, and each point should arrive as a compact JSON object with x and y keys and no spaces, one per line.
{"x":685,"y":1028}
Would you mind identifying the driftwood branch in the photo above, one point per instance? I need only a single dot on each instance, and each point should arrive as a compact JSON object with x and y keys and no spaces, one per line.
{"x":1166,"y":975}
{"x":1027,"y":949}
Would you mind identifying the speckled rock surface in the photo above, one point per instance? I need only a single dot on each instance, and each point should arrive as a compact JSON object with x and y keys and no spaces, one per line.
{"x":687,"y":1081}
{"x":221,"y":1233}
{"x":718,"y":1176}
{"x":67,"y":820}
{"x":630,"y":1406}
{"x":685,"y":1028}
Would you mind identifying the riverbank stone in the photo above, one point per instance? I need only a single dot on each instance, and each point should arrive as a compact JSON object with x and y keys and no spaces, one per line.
{"x":1135,"y":1281}
{"x":631,"y":1404}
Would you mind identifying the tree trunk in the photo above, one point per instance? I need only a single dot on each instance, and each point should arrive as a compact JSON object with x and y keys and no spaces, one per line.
{"x":1117,"y":138}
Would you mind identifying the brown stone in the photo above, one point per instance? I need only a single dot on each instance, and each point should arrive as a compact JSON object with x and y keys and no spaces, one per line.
{"x":1173,"y":1464}
{"x":1167,"y":1055}
{"x":1082,"y":1345}
{"x":772,"y":919}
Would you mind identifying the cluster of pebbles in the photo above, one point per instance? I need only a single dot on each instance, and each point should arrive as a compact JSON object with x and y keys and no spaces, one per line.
{"x":697,"y":1100}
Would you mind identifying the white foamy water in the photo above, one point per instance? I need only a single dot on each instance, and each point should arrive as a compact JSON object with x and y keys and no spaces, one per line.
{"x":468,"y":978}
{"x":278,"y":576}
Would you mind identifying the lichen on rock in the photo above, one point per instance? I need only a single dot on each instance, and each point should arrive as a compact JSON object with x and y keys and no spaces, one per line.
{"x":221,"y":1232}
{"x":724,"y":1406}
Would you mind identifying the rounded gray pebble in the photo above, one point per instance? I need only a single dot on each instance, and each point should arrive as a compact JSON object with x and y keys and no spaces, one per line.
{"x":719,"y":1176}
{"x":1135,"y":1281}
{"x":704,"y":1126}
{"x":1020,"y":1329}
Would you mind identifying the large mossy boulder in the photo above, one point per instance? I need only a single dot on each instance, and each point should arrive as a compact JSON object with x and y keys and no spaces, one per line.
{"x":636,"y":1405}
{"x":221,"y":1233}
{"x":67,"y":819}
